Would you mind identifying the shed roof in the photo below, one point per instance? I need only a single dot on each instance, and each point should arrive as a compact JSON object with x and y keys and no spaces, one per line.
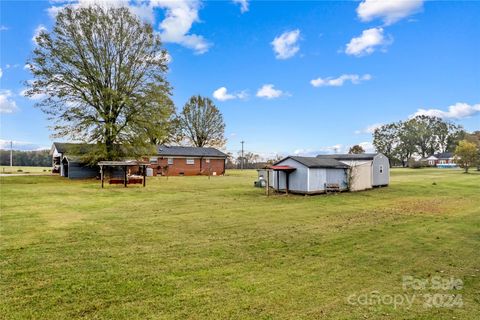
{"x":164,"y":150}
{"x":348,"y":156}
{"x":313,"y":162}
{"x":73,"y":148}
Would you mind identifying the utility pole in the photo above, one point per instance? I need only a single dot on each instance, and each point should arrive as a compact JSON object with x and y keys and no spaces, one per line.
{"x":242,"y":142}
{"x":11,"y":154}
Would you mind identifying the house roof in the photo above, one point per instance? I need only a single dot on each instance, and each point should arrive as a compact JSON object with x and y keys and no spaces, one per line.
{"x":443,"y":155}
{"x":163,"y":150}
{"x":313,"y":162}
{"x":360,"y":156}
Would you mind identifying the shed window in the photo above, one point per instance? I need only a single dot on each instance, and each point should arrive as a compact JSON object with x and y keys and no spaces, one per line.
{"x":190,"y":161}
{"x":207,"y":160}
{"x":153,"y":159}
{"x":381,"y":169}
{"x":170,"y":161}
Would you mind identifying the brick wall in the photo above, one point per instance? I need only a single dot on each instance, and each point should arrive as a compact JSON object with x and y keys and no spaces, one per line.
{"x":180,"y":166}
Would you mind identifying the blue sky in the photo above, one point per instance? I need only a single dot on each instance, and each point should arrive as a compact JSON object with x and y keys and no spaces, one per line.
{"x":289,"y":77}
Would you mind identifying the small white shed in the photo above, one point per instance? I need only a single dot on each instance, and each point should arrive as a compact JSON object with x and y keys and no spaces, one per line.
{"x":308,"y":175}
{"x":368,"y":169}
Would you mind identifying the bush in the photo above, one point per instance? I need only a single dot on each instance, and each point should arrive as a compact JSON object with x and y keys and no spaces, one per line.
{"x":415,"y":164}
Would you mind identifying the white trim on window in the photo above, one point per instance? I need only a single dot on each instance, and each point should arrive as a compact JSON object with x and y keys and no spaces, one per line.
{"x":153,"y":159}
{"x":190,"y":161}
{"x":170,"y":161}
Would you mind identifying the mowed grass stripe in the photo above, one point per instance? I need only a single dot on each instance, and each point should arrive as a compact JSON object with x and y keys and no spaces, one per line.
{"x":189,"y":247}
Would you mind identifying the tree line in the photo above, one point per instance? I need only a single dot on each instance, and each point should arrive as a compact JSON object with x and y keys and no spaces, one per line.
{"x":422,"y":135}
{"x":39,"y":158}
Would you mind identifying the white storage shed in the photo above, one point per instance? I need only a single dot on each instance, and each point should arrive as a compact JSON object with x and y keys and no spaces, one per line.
{"x":308,"y":175}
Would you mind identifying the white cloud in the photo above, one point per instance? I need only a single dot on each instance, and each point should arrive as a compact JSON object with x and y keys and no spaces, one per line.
{"x":459,"y":110}
{"x":1,"y":73}
{"x":337,"y":148}
{"x":3,"y":28}
{"x":339,"y":81}
{"x":390,"y":11}
{"x":222,"y":94}
{"x":179,"y":18}
{"x":285,"y":45}
{"x":367,"y":146}
{"x":369,"y":129}
{"x":367,"y":42}
{"x":243,"y":5}
{"x":268,"y":91}
{"x":7,"y":104}
{"x":39,"y":29}
{"x":21,"y":145}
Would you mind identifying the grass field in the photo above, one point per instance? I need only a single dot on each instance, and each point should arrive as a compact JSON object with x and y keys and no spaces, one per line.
{"x":25,"y":169}
{"x":193,"y":248}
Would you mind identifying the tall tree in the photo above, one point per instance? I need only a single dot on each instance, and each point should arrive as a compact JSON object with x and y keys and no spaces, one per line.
{"x":466,"y":154}
{"x":202,"y":123}
{"x":407,"y":138}
{"x":356,"y":149}
{"x":102,"y":75}
{"x":385,"y":139}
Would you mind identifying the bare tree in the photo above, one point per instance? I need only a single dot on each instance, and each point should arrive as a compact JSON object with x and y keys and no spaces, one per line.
{"x":202,"y":123}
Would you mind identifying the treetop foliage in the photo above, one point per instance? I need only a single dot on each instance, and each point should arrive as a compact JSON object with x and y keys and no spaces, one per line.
{"x":100,"y":74}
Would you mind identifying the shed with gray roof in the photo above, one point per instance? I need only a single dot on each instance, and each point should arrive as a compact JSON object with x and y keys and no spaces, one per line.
{"x":377,"y":165}
{"x":308,"y":175}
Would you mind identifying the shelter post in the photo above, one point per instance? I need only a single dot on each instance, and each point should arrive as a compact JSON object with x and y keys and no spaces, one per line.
{"x":144,"y":174}
{"x":102,"y":175}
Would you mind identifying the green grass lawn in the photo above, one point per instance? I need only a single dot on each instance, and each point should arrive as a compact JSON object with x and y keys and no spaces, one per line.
{"x":25,"y":169}
{"x":193,"y":248}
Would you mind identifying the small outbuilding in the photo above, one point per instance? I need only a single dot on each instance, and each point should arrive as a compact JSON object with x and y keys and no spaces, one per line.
{"x":308,"y":175}
{"x":74,"y":168}
{"x":368,"y":170}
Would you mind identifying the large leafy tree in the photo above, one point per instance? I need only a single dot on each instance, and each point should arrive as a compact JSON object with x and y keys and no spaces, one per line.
{"x":101,"y":73}
{"x":466,"y":154}
{"x":385,"y":139}
{"x":202,"y":123}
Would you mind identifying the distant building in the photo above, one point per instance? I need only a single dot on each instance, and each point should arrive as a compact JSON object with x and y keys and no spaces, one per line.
{"x":167,"y":160}
{"x":187,"y":161}
{"x":441,"y":158}
{"x":66,"y":160}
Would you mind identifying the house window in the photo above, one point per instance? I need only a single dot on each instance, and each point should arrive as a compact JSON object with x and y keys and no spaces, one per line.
{"x":153,"y":159}
{"x":190,"y":161}
{"x":170,"y":161}
{"x":381,"y":169}
{"x":207,"y":160}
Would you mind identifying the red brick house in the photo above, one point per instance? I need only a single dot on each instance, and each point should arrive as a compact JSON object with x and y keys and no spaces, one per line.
{"x":187,"y":161}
